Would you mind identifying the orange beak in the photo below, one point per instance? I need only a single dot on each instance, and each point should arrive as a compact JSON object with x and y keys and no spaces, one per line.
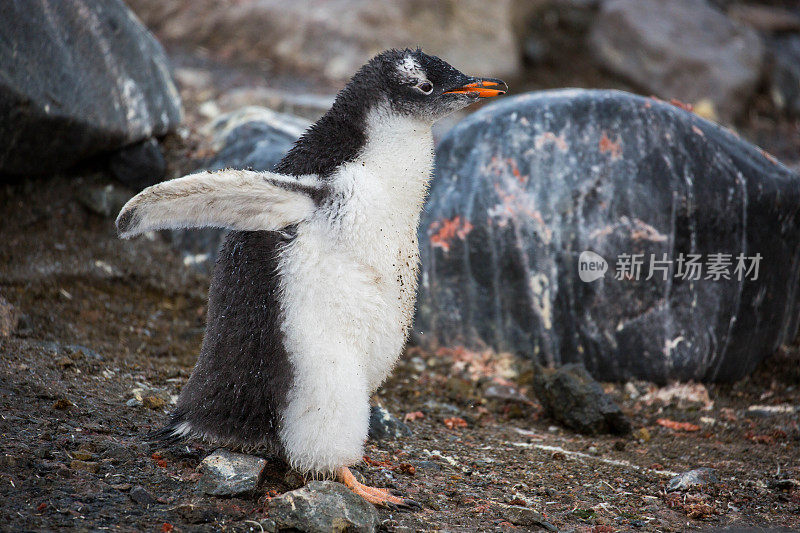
{"x":484,"y":87}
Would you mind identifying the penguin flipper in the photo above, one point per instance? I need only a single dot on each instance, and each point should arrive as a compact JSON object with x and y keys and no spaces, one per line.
{"x":236,"y":199}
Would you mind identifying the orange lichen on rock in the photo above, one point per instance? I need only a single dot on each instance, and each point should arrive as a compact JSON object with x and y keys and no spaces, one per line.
{"x":550,"y":137}
{"x":608,"y":146}
{"x":442,"y":232}
{"x":677,"y":426}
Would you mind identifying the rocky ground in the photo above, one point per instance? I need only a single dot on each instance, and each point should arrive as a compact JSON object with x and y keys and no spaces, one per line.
{"x":104,"y":334}
{"x":98,"y":335}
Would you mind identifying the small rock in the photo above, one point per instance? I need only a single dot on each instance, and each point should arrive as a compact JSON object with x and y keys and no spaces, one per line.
{"x":62,"y":403}
{"x":194,"y":514}
{"x":497,"y":391}
{"x":140,"y":495}
{"x":86,"y":466}
{"x":384,"y":425}
{"x":9,"y":318}
{"x":427,"y":465}
{"x":691,"y":479}
{"x":229,"y":474}
{"x":139,"y":165}
{"x":642,"y":434}
{"x":323,"y":506}
{"x":524,"y":516}
{"x":105,"y":200}
{"x":149,"y":397}
{"x":788,"y":485}
{"x":293,"y":479}
{"x":153,"y":402}
{"x":571,"y":396}
{"x":82,"y":455}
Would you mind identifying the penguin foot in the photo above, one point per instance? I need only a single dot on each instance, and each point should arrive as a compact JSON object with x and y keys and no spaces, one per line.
{"x":374,"y":495}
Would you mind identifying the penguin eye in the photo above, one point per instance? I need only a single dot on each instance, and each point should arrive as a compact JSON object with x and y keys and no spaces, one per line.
{"x":425,"y":87}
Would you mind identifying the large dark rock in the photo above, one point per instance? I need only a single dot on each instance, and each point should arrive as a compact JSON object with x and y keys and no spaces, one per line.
{"x":524,"y":186}
{"x":77,"y":78}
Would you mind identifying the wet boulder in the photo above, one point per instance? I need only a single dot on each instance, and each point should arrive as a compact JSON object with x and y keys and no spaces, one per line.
{"x":616,"y":231}
{"x":78,"y":78}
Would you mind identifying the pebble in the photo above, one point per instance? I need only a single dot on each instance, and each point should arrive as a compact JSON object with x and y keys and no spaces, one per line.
{"x":496,"y":391}
{"x":384,"y":425}
{"x":323,"y":506}
{"x":642,"y":434}
{"x":140,"y":495}
{"x":149,"y":397}
{"x":227,"y":473}
{"x":691,"y":479}
{"x":524,"y":516}
{"x":62,"y":403}
{"x":194,"y":514}
{"x":86,"y":466}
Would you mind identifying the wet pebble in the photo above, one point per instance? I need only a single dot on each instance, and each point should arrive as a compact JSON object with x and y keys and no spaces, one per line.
{"x":384,"y":425}
{"x":693,"y":478}
{"x":227,"y":473}
{"x":140,"y":495}
{"x":323,"y":506}
{"x":524,"y":516}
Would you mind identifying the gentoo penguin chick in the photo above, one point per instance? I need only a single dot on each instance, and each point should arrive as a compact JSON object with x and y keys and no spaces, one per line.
{"x":313,"y":293}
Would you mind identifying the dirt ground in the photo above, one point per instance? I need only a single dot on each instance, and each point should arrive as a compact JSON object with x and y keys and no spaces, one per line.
{"x":104,"y":320}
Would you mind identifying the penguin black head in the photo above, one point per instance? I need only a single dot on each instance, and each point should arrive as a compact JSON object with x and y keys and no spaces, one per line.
{"x":405,"y":83}
{"x":421,"y":85}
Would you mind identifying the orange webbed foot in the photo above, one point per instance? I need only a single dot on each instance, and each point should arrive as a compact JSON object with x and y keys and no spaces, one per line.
{"x":374,"y":495}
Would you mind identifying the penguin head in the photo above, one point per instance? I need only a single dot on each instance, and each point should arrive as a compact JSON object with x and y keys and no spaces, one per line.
{"x":422,"y":86}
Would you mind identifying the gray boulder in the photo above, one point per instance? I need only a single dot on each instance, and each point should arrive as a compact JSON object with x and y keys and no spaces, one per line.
{"x":323,"y":506}
{"x":78,"y":78}
{"x":684,"y":49}
{"x":523,"y":187}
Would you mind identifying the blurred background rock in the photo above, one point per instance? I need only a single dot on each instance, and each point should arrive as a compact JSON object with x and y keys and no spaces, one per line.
{"x":735,"y":62}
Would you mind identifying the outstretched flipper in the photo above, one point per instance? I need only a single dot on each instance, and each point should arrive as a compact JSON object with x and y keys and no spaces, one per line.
{"x":236,"y":199}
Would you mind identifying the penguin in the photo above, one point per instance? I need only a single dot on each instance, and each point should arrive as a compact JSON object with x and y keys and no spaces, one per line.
{"x":312,"y":296}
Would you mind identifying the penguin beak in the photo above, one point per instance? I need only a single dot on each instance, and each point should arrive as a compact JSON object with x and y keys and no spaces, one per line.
{"x":483,"y":87}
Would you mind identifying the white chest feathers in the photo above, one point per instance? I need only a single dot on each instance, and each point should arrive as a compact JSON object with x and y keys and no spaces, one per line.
{"x":349,"y":282}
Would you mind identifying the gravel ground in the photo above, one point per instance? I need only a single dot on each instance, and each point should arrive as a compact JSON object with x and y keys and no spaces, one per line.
{"x":105,"y":321}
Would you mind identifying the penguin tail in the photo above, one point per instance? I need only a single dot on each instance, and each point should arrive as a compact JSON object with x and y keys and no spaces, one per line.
{"x":174,"y":432}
